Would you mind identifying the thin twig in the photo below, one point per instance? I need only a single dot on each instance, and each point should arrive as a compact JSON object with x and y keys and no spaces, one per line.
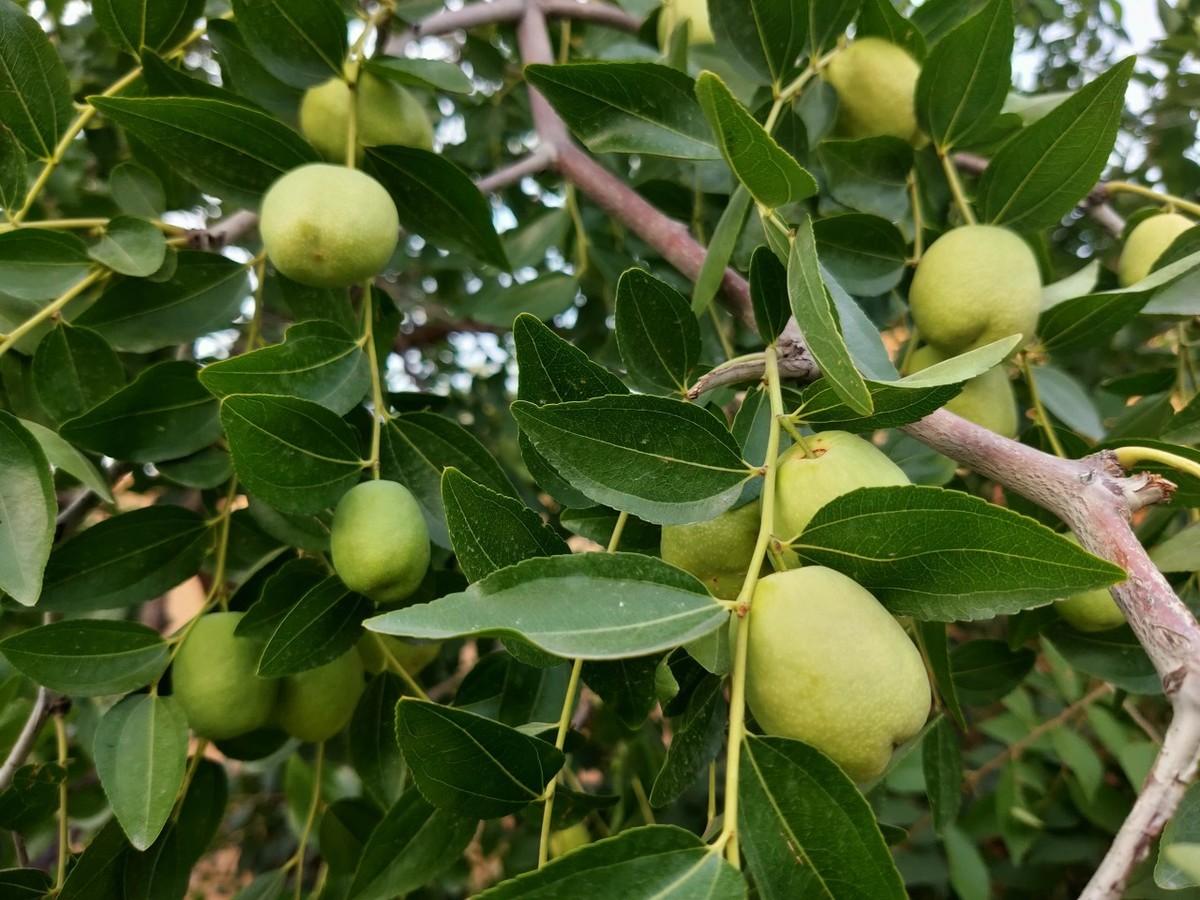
{"x":23,"y":746}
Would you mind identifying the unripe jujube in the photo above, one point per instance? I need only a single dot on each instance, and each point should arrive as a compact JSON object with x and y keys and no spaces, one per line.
{"x":875,"y":81}
{"x":986,"y":399}
{"x":386,"y":114}
{"x":379,"y":541}
{"x":1093,"y":610}
{"x":316,"y":704}
{"x":718,"y":551}
{"x":1146,"y":243}
{"x":695,"y":12}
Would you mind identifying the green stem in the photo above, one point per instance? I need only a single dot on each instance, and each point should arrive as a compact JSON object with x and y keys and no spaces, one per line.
{"x":193,"y":765}
{"x":377,"y":399}
{"x":956,"y":189}
{"x":1129,"y":457}
{"x":64,"y":835}
{"x":318,"y":766}
{"x":1039,"y":410}
{"x":51,"y":309}
{"x":83,"y":224}
{"x":1126,"y":187}
{"x":260,"y":277}
{"x":914,"y":195}
{"x":395,"y":665}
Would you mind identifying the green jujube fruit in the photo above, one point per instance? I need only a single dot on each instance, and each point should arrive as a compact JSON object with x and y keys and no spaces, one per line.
{"x":718,"y":551}
{"x":379,"y":541}
{"x":1093,"y":610}
{"x":413,"y":656}
{"x":875,"y":82}
{"x":214,"y":679}
{"x":1148,"y":241}
{"x":987,"y":399}
{"x":695,"y":12}
{"x":328,"y":226}
{"x":316,"y":704}
{"x":829,"y":666}
{"x":830,"y":464}
{"x":974,"y":285}
{"x":387,"y":114}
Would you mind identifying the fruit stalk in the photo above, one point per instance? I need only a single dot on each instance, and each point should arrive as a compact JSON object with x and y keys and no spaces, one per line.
{"x":378,"y":403}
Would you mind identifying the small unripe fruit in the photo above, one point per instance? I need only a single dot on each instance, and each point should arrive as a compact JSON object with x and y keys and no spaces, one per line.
{"x":974,"y":285}
{"x":413,"y":656}
{"x":1093,"y":610}
{"x":386,"y":114}
{"x":1148,"y":241}
{"x":875,"y":81}
{"x":316,"y":704}
{"x":828,"y":665}
{"x":986,"y":399}
{"x":718,"y":551}
{"x":379,"y":541}
{"x":214,"y":679}
{"x":836,"y":463}
{"x":565,"y":840}
{"x":328,"y":226}
{"x":695,"y":12}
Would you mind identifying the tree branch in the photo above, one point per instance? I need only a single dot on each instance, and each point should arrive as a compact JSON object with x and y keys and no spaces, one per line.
{"x":537,"y":161}
{"x":42,"y":708}
{"x":495,"y":12}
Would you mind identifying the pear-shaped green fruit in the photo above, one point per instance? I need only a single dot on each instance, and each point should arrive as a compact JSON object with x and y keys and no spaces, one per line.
{"x":836,"y":463}
{"x":1093,"y":610}
{"x":387,"y":114}
{"x":316,"y":704}
{"x":718,"y":551}
{"x":567,"y":839}
{"x":986,"y":399}
{"x":875,"y":81}
{"x":328,"y":226}
{"x":694,"y":12}
{"x":974,"y":285}
{"x":413,"y":656}
{"x":828,"y":665}
{"x":214,"y":679}
{"x":379,"y":541}
{"x":1146,"y":243}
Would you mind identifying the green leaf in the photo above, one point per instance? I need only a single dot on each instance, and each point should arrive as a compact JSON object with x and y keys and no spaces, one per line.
{"x":622,"y":605}
{"x":657,"y":332}
{"x":321,"y":626}
{"x":965,"y":79}
{"x":130,"y":246}
{"x":62,"y":455}
{"x":797,"y":805}
{"x":35,"y":93}
{"x":935,"y":645}
{"x":204,"y":294}
{"x":135,"y":25}
{"x":869,"y":175}
{"x":27,"y":511}
{"x":1039,"y":175}
{"x":1114,"y":655}
{"x":767,"y":35}
{"x":40,"y":264}
{"x":290,"y":453}
{"x":301,"y":42}
{"x":227,"y":149}
{"x":985,"y":671}
{"x":663,"y":460}
{"x":627,"y":107}
{"x":720,"y":250}
{"x":769,"y":293}
{"x":544,"y":297}
{"x":416,"y":450}
{"x":468,"y":764}
{"x":894,"y":406}
{"x":827,"y":21}
{"x":433,"y":74}
{"x":660,"y":861}
{"x":13,"y":175}
{"x":373,"y":748}
{"x":125,"y":560}
{"x":1174,"y":869}
{"x":242,"y":71}
{"x":137,"y":190}
{"x":318,"y":361}
{"x":97,"y":874}
{"x":769,"y":172}
{"x":553,"y":370}
{"x":409,"y":848}
{"x":880,"y":18}
{"x":74,"y":369}
{"x":696,"y":738}
{"x":164,"y":414}
{"x":490,"y":531}
{"x":24,"y":884}
{"x":941,"y":761}
{"x":88,"y":657}
{"x":140,"y":751}
{"x":968,"y":870}
{"x":814,"y":312}
{"x":865,"y":253}
{"x":279,"y":594}
{"x":1178,"y":553}
{"x":438,"y":201}
{"x":947,"y":556}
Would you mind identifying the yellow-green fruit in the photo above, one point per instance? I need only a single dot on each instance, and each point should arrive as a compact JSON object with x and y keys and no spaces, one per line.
{"x":875,"y":81}
{"x":379,"y":541}
{"x":986,"y":399}
{"x":974,"y":285}
{"x":828,"y":665}
{"x":836,"y":463}
{"x":1093,"y":610}
{"x":1146,"y":243}
{"x":413,"y":656}
{"x":315,"y":705}
{"x":328,"y":226}
{"x":387,"y":114}
{"x":718,"y":551}
{"x":214,"y":679}
{"x":568,"y":839}
{"x":693,"y":11}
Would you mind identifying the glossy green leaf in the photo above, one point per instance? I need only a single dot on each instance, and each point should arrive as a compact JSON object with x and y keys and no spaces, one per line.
{"x":866,"y":254}
{"x":1039,"y":175}
{"x":553,"y":370}
{"x":62,"y":455}
{"x":227,"y":149}
{"x":130,"y":246}
{"x":894,"y":406}
{"x":626,"y":686}
{"x":941,"y":761}
{"x":627,"y":107}
{"x":769,"y":293}
{"x":293,"y":454}
{"x":869,"y":175}
{"x":657,"y":332}
{"x":373,"y":748}
{"x":24,"y":883}
{"x":134,"y":25}
{"x":947,"y":556}
{"x":35,"y":93}
{"x":97,"y":874}
{"x":164,"y":414}
{"x":795,"y":802}
{"x":434,"y":74}
{"x":986,"y":670}
{"x":544,"y":297}
{"x":317,"y":361}
{"x":137,"y":190}
{"x":696,"y":739}
{"x":880,"y":18}
{"x":40,"y":264}
{"x":140,"y":751}
{"x":663,"y":460}
{"x":622,"y":605}
{"x":125,"y":560}
{"x":13,"y":177}
{"x":1176,"y":868}
{"x":768,"y":36}
{"x":827,"y":21}
{"x":769,"y":172}
{"x":301,"y":42}
{"x":321,"y":626}
{"x":27,"y":511}
{"x":935,"y":645}
{"x":74,"y":369}
{"x":281,"y":591}
{"x":1114,"y":655}
{"x":720,"y":250}
{"x":88,"y":657}
{"x":471,"y":765}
